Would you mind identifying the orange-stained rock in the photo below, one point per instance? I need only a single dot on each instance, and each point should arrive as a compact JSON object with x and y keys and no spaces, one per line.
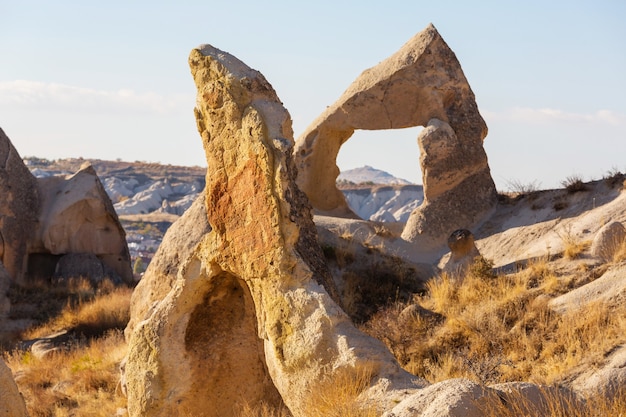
{"x":249,"y":317}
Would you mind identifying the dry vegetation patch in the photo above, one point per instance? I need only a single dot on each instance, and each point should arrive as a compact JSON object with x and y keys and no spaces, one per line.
{"x":80,"y":375}
{"x":499,"y":329}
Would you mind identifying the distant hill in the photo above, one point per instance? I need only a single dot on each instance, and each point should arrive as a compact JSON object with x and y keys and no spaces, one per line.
{"x":371,"y":176}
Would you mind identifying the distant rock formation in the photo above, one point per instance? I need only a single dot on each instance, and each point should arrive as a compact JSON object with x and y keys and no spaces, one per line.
{"x":391,"y":203}
{"x":249,"y":318}
{"x":420,"y":85}
{"x":43,"y":219}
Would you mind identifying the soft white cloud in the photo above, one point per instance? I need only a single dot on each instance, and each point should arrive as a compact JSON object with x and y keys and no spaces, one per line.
{"x":54,"y":96}
{"x":548,"y":115}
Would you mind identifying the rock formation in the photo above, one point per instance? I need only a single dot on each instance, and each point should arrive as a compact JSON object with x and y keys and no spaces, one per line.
{"x":420,"y":85}
{"x":608,"y":241}
{"x":11,"y":401}
{"x":177,"y":245}
{"x":18,"y":209}
{"x":43,"y":219}
{"x":462,"y":251}
{"x":249,"y":317}
{"x":83,"y":221}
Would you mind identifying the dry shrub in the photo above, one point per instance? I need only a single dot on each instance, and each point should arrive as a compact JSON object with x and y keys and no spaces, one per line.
{"x":574,"y":184}
{"x":336,"y":396}
{"x":83,"y":381}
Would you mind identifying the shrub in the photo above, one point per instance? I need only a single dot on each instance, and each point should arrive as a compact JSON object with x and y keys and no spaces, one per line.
{"x":574,"y":184}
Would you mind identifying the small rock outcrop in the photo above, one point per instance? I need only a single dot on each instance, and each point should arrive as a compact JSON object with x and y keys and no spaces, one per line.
{"x":249,"y":317}
{"x":608,"y":240}
{"x":463,"y":251}
{"x":11,"y":401}
{"x":43,"y":219}
{"x":420,"y":85}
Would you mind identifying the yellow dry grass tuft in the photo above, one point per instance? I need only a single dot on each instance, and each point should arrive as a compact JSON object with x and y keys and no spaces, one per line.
{"x":83,"y":377}
{"x":499,"y":329}
{"x":110,"y":310}
{"x":83,"y":381}
{"x":556,"y":403}
{"x":339,"y":396}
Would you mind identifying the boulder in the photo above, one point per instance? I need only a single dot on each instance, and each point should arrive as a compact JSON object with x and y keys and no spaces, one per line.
{"x":85,"y":265}
{"x":249,"y":317}
{"x":463,"y":251}
{"x":77,"y":217}
{"x":608,"y":241}
{"x":18,"y":210}
{"x":42,"y":219}
{"x":11,"y":401}
{"x":420,"y":85}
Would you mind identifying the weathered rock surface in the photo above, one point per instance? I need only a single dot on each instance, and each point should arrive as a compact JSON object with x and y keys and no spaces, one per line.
{"x":77,"y":217}
{"x":459,"y":192}
{"x":608,"y":241}
{"x":11,"y":401}
{"x":610,"y":289}
{"x":5,"y":283}
{"x":248,"y":318}
{"x":46,"y":218}
{"x":177,"y":246}
{"x":420,"y":85}
{"x":18,"y":210}
{"x":463,"y":251}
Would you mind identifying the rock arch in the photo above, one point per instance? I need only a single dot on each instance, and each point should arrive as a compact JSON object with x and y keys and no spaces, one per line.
{"x":260,"y":269}
{"x":420,"y":85}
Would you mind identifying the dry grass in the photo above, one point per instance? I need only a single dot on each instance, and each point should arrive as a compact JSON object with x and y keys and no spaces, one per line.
{"x":556,"y":403}
{"x":329,"y":397}
{"x":80,"y":382}
{"x":499,"y":329}
{"x":82,"y":378}
{"x":339,"y":396}
{"x":573,"y":247}
{"x":107,"y":311}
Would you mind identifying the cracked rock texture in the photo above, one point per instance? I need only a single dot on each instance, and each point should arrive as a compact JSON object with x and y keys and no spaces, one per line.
{"x":420,"y":85}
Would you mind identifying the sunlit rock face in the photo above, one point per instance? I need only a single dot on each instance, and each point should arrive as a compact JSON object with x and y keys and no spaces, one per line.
{"x":422,"y":84}
{"x":251,"y":315}
{"x":43,"y":219}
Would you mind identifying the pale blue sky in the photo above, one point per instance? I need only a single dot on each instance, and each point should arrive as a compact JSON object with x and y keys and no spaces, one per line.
{"x":110,"y":79}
